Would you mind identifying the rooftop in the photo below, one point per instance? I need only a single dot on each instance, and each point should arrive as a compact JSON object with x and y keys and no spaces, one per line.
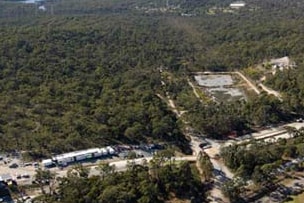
{"x":285,"y":61}
{"x":77,"y":153}
{"x":238,"y":4}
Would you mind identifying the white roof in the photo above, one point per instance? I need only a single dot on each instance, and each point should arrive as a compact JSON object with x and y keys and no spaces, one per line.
{"x":77,"y":153}
{"x":282,"y":61}
{"x":104,"y":150}
{"x":238,"y":4}
{"x":82,"y":152}
{"x":47,"y":161}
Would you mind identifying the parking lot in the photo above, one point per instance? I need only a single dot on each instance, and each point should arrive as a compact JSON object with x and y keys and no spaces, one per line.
{"x":12,"y":168}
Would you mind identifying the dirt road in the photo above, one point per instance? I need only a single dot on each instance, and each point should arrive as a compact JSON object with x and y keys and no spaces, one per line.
{"x":171,"y":104}
{"x":271,"y":91}
{"x":264,"y":88}
{"x":194,"y":90}
{"x":248,"y":82}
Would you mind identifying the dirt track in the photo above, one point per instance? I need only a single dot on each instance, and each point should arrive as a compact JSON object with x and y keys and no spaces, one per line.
{"x":248,"y":82}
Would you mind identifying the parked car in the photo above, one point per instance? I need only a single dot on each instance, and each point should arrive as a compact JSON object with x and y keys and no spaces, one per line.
{"x":27,"y":164}
{"x":207,"y":147}
{"x":203,"y":144}
{"x":25,"y":175}
{"x":36,"y":164}
{"x":14,"y":165}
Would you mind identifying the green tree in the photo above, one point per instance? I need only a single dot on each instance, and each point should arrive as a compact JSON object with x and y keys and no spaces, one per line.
{"x":206,"y":165}
{"x":43,"y":178}
{"x":233,"y":188}
{"x":105,"y":169}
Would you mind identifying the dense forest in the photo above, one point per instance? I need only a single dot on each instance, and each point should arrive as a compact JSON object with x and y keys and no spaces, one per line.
{"x":85,"y":81}
{"x":138,"y":184}
{"x":86,"y":73}
{"x":264,"y":163}
{"x":259,"y":160}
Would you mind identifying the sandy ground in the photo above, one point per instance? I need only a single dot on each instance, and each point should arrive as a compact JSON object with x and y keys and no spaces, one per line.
{"x":14,"y":172}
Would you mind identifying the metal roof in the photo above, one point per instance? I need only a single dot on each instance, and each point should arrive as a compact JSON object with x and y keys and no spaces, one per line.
{"x":84,"y":152}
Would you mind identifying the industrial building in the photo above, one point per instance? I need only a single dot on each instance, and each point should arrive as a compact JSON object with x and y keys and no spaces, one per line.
{"x":72,"y":157}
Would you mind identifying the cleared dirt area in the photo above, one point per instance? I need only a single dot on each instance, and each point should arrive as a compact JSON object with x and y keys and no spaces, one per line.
{"x":223,"y":86}
{"x":23,"y":175}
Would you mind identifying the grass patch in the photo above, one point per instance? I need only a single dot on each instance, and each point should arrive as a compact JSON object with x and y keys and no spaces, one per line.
{"x":203,"y":96}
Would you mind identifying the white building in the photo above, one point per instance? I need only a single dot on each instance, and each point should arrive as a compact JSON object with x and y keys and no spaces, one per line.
{"x":47,"y":162}
{"x":281,"y":63}
{"x":70,"y":157}
{"x":237,"y":4}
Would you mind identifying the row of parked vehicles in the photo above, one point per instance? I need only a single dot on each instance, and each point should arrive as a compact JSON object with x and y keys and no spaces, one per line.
{"x":20,"y":176}
{"x":15,"y":165}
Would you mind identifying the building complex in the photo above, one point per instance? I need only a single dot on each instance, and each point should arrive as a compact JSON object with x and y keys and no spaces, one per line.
{"x":72,"y":157}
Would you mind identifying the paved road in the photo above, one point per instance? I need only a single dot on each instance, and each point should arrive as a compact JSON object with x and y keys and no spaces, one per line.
{"x":122,"y":165}
{"x":270,"y":134}
{"x":216,"y":195}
